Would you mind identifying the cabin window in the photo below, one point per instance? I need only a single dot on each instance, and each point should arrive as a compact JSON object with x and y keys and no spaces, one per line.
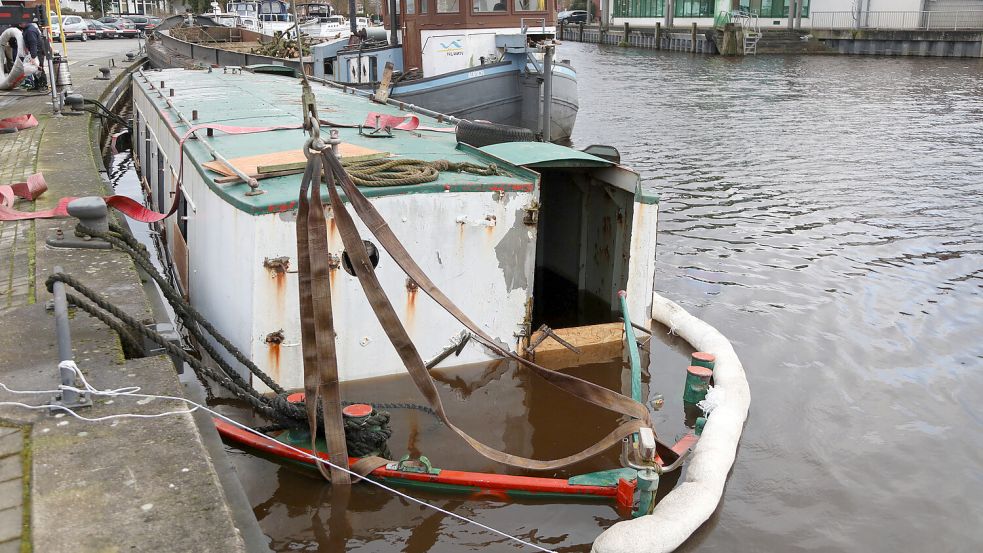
{"x":448,"y":6}
{"x":161,"y":206}
{"x":182,"y":216}
{"x":423,"y":6}
{"x":530,"y":5}
{"x":491,"y":6}
{"x":410,"y":7}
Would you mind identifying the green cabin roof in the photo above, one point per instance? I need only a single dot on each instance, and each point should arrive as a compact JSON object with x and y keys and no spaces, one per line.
{"x":264,"y":100}
{"x":540,"y":154}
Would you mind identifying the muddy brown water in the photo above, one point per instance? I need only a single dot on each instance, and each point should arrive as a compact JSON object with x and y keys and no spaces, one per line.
{"x":826,"y":213}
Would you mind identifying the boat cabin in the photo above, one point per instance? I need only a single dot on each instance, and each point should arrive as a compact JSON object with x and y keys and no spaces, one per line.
{"x":549,"y":237}
{"x":263,"y":10}
{"x":322,"y":12}
{"x":441,"y":36}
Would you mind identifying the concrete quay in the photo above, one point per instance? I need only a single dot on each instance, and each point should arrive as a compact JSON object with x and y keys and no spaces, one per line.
{"x":154,"y":484}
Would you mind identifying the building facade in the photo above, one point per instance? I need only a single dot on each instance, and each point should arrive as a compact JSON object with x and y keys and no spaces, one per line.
{"x":899,"y":14}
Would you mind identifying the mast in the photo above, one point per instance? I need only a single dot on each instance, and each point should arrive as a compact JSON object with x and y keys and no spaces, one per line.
{"x":351,"y":16}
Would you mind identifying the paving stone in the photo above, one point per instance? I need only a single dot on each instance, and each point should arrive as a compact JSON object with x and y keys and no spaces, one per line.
{"x":11,"y":523}
{"x":12,"y":546}
{"x":11,"y":443}
{"x":11,"y":467}
{"x":11,"y":493}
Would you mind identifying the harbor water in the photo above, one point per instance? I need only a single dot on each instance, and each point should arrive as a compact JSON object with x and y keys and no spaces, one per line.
{"x":826,"y":214}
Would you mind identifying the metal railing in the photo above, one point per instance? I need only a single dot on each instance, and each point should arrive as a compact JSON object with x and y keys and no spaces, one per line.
{"x":900,"y":20}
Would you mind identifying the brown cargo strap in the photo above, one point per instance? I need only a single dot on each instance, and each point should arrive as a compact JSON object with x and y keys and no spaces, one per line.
{"x":407,"y":351}
{"x":317,"y":324}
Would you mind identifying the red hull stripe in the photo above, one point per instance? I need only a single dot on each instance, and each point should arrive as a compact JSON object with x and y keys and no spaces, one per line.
{"x":490,"y":483}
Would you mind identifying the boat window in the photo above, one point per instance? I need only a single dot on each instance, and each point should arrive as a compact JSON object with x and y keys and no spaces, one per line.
{"x":530,"y":5}
{"x":423,"y":6}
{"x":448,"y":6}
{"x":490,"y":6}
{"x":410,"y":7}
{"x":182,"y":217}
{"x":161,"y":202}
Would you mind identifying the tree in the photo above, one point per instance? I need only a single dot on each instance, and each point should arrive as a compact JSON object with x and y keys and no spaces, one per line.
{"x":96,"y":8}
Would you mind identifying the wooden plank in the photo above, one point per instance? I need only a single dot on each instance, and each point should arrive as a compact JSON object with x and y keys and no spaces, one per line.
{"x":250,"y":164}
{"x":597,"y":343}
{"x":382,"y":93}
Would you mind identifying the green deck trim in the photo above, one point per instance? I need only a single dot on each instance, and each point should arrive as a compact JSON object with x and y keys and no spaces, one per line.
{"x":646,"y":197}
{"x":271,"y":100}
{"x":543,"y":154}
{"x":606,"y":478}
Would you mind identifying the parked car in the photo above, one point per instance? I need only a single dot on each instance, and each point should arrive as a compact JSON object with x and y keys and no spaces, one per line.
{"x":74,"y":28}
{"x":572,"y":16}
{"x":108,"y":31}
{"x":92,"y":30}
{"x":152,"y":24}
{"x":124,"y":27}
{"x":141,"y":21}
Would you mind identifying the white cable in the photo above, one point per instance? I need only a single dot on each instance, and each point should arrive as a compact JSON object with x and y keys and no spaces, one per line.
{"x":132,"y":391}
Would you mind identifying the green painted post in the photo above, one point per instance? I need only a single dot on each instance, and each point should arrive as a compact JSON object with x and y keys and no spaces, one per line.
{"x":633,"y":357}
{"x":703,"y":359}
{"x":697,"y":382}
{"x":700,"y":423}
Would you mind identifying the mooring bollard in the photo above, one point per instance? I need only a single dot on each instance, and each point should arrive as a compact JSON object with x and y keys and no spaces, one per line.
{"x":702,"y":359}
{"x":697,"y":382}
{"x":93,"y":214}
{"x":67,"y":398}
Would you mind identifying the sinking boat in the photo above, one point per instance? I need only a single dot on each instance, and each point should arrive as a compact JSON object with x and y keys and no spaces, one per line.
{"x":525,"y":237}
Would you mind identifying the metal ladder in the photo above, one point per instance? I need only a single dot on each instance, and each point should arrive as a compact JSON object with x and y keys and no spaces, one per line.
{"x":748,"y":23}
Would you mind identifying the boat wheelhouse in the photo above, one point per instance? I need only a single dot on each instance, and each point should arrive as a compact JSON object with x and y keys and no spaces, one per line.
{"x":548,"y":236}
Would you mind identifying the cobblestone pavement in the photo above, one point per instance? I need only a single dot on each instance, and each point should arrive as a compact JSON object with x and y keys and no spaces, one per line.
{"x":18,"y":159}
{"x":12,"y":488}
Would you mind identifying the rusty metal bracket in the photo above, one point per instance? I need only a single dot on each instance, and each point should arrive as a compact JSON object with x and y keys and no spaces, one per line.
{"x":547,"y":332}
{"x":531,"y":216}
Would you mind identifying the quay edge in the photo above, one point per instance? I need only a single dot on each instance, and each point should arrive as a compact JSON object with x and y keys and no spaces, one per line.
{"x":139,"y":484}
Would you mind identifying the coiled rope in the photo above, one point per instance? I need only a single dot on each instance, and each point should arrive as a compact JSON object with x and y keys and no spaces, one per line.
{"x":403,"y":172}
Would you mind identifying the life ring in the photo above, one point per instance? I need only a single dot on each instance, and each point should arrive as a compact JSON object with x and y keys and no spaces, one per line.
{"x":12,"y":76}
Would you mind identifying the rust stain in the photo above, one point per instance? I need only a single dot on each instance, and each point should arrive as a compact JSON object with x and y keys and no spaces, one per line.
{"x":411,"y":446}
{"x":274,"y":360}
{"x":332,"y":231}
{"x":411,"y":290}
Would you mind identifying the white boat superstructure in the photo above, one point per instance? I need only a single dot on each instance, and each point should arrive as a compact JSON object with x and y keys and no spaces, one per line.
{"x":330,"y":27}
{"x":263,"y":16}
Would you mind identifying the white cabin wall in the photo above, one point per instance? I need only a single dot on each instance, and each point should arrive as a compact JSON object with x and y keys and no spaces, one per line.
{"x":219,"y":237}
{"x":441,"y":54}
{"x":461,"y":240}
{"x":641,"y":262}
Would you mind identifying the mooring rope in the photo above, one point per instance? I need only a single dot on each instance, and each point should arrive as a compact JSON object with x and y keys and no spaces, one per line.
{"x":402,"y":172}
{"x":134,"y":392}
